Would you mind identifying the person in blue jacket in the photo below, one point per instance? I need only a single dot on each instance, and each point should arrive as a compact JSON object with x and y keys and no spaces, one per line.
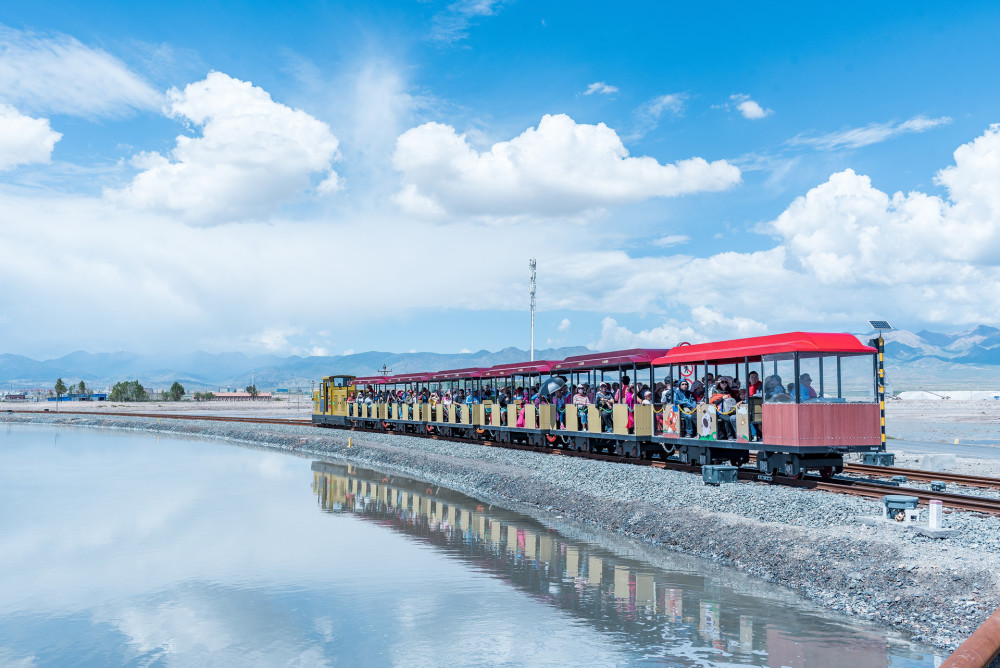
{"x":685,"y":401}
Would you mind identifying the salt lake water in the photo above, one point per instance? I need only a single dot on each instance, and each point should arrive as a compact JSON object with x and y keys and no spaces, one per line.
{"x":127,"y":548}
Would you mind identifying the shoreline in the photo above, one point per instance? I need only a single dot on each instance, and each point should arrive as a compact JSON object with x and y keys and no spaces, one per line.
{"x":933,"y":592}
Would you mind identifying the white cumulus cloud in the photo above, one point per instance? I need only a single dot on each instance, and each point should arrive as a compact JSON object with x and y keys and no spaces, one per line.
{"x":750,"y":109}
{"x":58,"y":74}
{"x":564,"y":325}
{"x":671,"y":240}
{"x":253,"y":154}
{"x":873,"y":133}
{"x":559,"y":168}
{"x":24,"y":139}
{"x":601,"y":88}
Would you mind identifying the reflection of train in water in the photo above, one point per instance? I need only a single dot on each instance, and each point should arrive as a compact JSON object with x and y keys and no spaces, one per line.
{"x":802,"y":401}
{"x":679,"y":615}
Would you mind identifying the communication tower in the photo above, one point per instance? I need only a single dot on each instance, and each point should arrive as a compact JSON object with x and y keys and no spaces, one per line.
{"x":531,"y":266}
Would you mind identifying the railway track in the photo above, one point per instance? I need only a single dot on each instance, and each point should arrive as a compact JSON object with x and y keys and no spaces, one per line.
{"x":837,"y":485}
{"x":178,"y":416}
{"x":923,"y":476}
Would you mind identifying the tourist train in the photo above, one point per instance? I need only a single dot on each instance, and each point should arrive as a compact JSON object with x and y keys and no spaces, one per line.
{"x":800,"y":401}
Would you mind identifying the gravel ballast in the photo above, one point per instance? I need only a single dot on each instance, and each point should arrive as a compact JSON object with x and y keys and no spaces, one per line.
{"x":935,"y":591}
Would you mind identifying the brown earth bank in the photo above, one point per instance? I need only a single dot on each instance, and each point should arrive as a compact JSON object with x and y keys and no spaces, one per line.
{"x":935,"y":591}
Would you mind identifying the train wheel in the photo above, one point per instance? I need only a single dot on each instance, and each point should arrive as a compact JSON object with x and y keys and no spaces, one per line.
{"x":550,"y":439}
{"x":826,"y":472}
{"x":430,"y":429}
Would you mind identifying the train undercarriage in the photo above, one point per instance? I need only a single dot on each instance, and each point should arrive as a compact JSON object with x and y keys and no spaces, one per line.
{"x":791,"y":462}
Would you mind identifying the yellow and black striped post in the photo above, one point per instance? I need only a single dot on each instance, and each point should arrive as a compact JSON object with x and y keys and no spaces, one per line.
{"x":881,"y":385}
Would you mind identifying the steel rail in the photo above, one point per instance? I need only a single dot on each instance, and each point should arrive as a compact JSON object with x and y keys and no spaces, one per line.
{"x":925,"y":476}
{"x":175,"y":416}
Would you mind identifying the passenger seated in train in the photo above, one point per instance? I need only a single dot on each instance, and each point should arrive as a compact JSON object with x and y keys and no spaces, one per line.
{"x":725,"y":404}
{"x":774,"y":390}
{"x":581,"y":401}
{"x":620,"y":391}
{"x":698,"y":391}
{"x":686,"y":405}
{"x":805,"y":388}
{"x":605,"y":402}
{"x":753,"y":385}
{"x":503,"y":400}
{"x":664,"y":392}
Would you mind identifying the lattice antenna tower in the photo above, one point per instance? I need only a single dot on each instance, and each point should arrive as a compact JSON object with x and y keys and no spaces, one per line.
{"x":531,"y":266}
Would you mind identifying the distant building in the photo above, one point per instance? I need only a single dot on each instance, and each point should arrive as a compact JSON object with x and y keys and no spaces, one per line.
{"x":92,"y":396}
{"x":242,"y":396}
{"x":16,"y":397}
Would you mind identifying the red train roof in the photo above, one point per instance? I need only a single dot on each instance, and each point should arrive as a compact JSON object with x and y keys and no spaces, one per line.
{"x":457,"y":374}
{"x":519,"y":368}
{"x":614,"y":359}
{"x":410,"y":378}
{"x":736,"y":350}
{"x":372,"y":380}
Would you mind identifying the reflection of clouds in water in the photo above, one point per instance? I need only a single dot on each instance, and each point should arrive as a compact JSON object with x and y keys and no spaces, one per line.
{"x":501,"y":628}
{"x":271,"y":466}
{"x":284,"y":581}
{"x":9,"y":658}
{"x":111,"y":517}
{"x":200,"y":625}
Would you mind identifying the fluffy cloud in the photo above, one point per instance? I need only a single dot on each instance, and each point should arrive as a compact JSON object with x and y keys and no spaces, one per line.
{"x":24,"y":139}
{"x":750,"y":109}
{"x":842,"y":253}
{"x":58,"y":74}
{"x":647,"y":116}
{"x":704,"y":323}
{"x":452,"y":25}
{"x":253,"y":154}
{"x":601,"y":88}
{"x":846,"y":252}
{"x":873,"y":133}
{"x":845,"y":230}
{"x":671,"y":240}
{"x":559,"y":168}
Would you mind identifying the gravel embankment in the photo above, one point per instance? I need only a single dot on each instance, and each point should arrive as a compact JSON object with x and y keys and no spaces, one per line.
{"x":936,"y":591}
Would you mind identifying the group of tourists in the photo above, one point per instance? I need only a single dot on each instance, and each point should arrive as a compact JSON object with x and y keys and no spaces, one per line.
{"x":724,"y":392}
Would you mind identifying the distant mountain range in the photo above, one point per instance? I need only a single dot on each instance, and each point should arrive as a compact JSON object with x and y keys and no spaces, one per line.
{"x":966,"y":360}
{"x":922,"y":360}
{"x":206,"y":371}
{"x":980,"y":345}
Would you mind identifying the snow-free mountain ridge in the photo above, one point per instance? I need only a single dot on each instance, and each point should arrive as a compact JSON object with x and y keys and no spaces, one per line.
{"x":969,"y":359}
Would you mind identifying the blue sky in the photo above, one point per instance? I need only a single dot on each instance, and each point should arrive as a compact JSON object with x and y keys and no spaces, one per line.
{"x":323,"y":177}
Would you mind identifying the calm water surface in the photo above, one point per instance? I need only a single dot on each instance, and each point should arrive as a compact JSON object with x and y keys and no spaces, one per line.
{"x":132,"y":549}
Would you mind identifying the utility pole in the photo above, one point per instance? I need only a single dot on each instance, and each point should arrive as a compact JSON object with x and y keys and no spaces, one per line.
{"x":531,"y":266}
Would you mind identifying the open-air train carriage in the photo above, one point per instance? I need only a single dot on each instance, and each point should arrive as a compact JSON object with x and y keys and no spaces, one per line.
{"x":626,"y":431}
{"x":816,"y":401}
{"x":503,"y":424}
